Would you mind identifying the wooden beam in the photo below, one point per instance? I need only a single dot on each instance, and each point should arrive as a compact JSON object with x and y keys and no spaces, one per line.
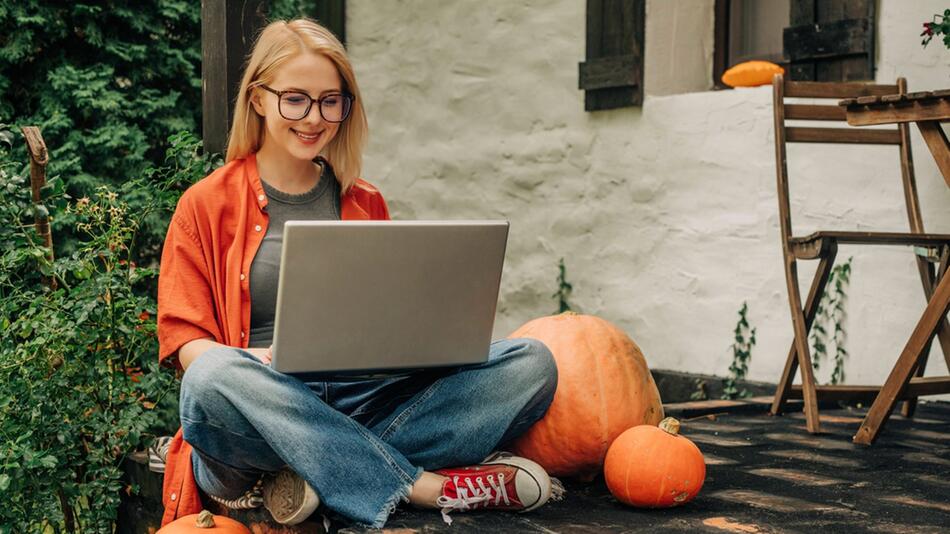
{"x":814,"y":113}
{"x":859,"y":115}
{"x":228,"y":30}
{"x":721,"y":43}
{"x":332,"y":14}
{"x":811,"y":308}
{"x":938,"y":144}
{"x":897,"y":382}
{"x":797,"y":134}
{"x":39,"y":159}
{"x":836,"y":90}
{"x":917,"y":387}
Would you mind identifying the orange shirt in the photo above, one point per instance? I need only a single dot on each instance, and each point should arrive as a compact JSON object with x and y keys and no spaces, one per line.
{"x":203,"y":284}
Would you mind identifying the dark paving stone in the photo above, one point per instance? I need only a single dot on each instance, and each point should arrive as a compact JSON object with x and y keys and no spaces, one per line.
{"x":764,"y":474}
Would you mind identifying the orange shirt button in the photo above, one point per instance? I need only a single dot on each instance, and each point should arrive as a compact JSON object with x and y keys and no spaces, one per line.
{"x":257,"y":228}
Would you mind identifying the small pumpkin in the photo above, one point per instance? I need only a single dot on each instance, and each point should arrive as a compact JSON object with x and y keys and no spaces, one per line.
{"x":204,"y":523}
{"x":604,"y":387}
{"x":751,"y":74}
{"x":654,"y":467}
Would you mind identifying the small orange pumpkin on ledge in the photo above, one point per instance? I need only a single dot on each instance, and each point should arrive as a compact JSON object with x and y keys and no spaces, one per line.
{"x":654,"y":467}
{"x":204,"y":523}
{"x":751,"y":74}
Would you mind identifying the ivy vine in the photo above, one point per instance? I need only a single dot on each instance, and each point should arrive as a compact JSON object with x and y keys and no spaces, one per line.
{"x":829,"y":325}
{"x":744,"y":340}
{"x":564,"y":289}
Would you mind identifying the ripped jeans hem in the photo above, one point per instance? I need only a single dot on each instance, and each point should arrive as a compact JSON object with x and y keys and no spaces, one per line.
{"x":401,"y":496}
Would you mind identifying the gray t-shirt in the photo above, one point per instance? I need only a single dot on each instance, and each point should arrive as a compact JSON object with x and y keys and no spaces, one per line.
{"x":322,"y":203}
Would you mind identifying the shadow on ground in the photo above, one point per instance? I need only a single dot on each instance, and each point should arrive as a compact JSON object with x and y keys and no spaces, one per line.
{"x":764,"y":474}
{"x":767,"y":474}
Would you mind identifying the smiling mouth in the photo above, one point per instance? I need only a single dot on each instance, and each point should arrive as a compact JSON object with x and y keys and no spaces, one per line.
{"x":307,"y":137}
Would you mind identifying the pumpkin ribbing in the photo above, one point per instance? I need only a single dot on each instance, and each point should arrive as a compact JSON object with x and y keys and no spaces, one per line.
{"x":604,"y":387}
{"x":654,"y":467}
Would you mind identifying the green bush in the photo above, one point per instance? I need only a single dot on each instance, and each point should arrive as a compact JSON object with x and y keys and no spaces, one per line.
{"x":106,"y":81}
{"x":109,"y":83}
{"x":80,"y":386}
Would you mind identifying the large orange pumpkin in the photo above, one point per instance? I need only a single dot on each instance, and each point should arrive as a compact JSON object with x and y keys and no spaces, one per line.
{"x":204,"y":523}
{"x":654,"y":467}
{"x":604,"y":387}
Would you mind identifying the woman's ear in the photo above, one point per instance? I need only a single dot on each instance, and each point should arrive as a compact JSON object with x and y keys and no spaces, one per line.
{"x":257,"y":101}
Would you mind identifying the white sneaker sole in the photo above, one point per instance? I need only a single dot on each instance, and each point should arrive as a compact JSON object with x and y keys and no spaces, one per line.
{"x":289,"y":499}
{"x":531,"y":478}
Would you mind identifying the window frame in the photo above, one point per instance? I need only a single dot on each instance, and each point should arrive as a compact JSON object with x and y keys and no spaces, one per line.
{"x":721,"y":34}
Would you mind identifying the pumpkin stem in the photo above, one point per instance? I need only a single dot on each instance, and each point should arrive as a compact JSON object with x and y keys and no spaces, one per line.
{"x":670,"y":425}
{"x":568,"y":312}
{"x":205,"y":520}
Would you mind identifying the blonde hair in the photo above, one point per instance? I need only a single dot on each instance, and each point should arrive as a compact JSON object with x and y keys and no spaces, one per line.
{"x":279,"y":42}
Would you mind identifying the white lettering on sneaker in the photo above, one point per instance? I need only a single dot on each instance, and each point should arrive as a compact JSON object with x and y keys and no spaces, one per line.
{"x":473,"y":497}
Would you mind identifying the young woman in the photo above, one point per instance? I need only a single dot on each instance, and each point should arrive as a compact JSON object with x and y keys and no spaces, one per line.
{"x":251,"y":434}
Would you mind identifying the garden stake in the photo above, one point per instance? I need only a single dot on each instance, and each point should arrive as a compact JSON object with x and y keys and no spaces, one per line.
{"x":39,"y":157}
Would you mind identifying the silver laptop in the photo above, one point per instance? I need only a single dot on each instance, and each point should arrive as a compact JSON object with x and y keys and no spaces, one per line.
{"x":367,"y":297}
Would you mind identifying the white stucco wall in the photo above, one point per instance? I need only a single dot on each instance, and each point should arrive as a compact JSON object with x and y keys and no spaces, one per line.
{"x":666,"y":214}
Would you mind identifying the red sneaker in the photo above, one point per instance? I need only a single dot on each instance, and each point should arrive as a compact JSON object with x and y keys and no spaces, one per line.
{"x":502,"y":481}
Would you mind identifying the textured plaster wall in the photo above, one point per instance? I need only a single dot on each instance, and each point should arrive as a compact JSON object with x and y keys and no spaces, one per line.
{"x":666,"y":215}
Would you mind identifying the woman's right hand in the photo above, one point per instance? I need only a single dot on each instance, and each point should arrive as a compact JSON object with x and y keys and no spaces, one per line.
{"x":264,"y":355}
{"x":190,"y":351}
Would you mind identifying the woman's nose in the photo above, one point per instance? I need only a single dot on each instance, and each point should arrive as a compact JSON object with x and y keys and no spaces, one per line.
{"x":314,"y":117}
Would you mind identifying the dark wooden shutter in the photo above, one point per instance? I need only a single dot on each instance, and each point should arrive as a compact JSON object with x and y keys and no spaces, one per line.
{"x":612,"y":76}
{"x":830,"y":40}
{"x":332,"y":14}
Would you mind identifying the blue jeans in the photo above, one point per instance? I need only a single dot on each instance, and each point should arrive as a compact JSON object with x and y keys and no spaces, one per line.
{"x":360,"y":445}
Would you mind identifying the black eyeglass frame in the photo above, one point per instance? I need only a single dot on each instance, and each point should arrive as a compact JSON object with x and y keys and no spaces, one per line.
{"x":347,"y":108}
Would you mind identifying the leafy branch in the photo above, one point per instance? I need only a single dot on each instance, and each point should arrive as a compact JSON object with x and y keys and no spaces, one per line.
{"x":940,"y":25}
{"x":79,"y":384}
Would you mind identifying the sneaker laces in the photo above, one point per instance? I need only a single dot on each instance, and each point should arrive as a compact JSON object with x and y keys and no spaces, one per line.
{"x":252,"y":498}
{"x":467,"y":498}
{"x":558,"y":491}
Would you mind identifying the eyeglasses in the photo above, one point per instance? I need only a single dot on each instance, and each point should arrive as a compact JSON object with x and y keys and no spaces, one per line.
{"x":294,"y":105}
